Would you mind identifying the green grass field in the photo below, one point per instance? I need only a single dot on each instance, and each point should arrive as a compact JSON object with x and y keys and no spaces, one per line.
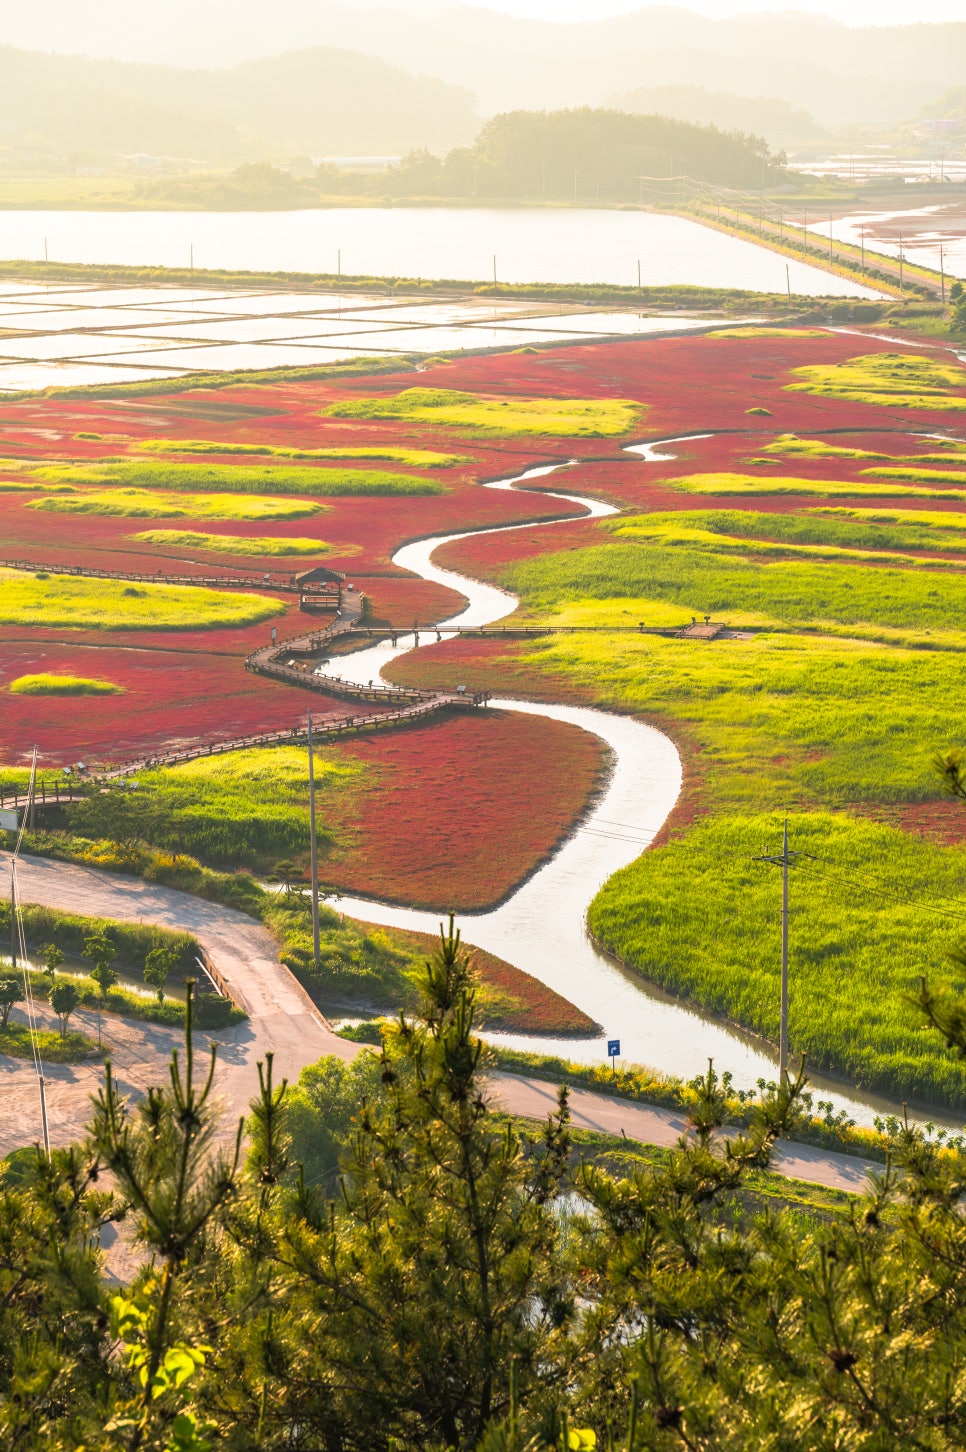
{"x":68,"y":603}
{"x":899,"y":380}
{"x":786,"y":592}
{"x":827,"y":726}
{"x":931,"y":477}
{"x":494,"y":415}
{"x":264,"y":479}
{"x":791,"y":446}
{"x":699,"y":917}
{"x":142,"y":504}
{"x":781,"y":718}
{"x":825,"y":531}
{"x":51,"y":685}
{"x":737,"y":484}
{"x":215,"y":808}
{"x":414,"y":458}
{"x":234,"y":544}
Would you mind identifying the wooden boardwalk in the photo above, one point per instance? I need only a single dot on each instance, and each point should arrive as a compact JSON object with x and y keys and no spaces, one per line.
{"x":291,"y":662}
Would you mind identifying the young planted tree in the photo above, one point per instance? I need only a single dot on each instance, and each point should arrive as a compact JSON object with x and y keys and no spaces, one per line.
{"x":159,"y":964}
{"x":289,"y":877}
{"x":101,"y":951}
{"x":52,"y":959}
{"x":64,"y":998}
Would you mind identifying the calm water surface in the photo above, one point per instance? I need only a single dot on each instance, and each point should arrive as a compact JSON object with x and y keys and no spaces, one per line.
{"x":529,"y":244}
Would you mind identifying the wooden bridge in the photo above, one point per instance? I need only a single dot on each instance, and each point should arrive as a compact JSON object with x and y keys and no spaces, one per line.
{"x":313,"y":594}
{"x":291,"y":661}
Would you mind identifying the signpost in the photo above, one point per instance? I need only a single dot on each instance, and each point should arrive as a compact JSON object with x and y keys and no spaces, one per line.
{"x":613,"y":1049}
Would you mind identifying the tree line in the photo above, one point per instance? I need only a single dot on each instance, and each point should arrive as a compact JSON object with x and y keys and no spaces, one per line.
{"x":395,"y":1264}
{"x":583,"y":155}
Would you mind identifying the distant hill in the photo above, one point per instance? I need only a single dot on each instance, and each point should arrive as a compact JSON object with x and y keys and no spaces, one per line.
{"x":838,"y":73}
{"x":778,"y":122}
{"x":314,"y":102}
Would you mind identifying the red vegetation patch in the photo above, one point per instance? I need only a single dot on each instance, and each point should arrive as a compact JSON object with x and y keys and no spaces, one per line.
{"x":401,"y":599}
{"x":191,"y":685}
{"x":517,"y":1002}
{"x":942,"y":820}
{"x":453,"y":815}
{"x":491,"y":665}
{"x":171,"y":700}
{"x":486,"y":556}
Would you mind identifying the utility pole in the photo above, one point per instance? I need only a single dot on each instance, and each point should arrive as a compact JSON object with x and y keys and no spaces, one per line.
{"x":942,"y":270}
{"x":784,"y":861}
{"x":314,"y":850}
{"x":13,"y":919}
{"x":863,"y":245}
{"x":900,"y":262}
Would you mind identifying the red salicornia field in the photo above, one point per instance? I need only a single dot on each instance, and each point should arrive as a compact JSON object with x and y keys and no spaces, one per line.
{"x":806,"y":493}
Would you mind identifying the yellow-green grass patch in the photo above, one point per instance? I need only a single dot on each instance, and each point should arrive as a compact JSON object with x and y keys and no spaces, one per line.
{"x":142,"y":504}
{"x":415,"y":458}
{"x":234,"y":544}
{"x":913,"y":476}
{"x":798,"y":592}
{"x":697,"y":917}
{"x":903,"y":380}
{"x":753,"y":332}
{"x":246,"y":808}
{"x":235,"y":478}
{"x":791,"y":446}
{"x":66,"y":602}
{"x":859,"y":534}
{"x":727,"y":483}
{"x":782,"y":718}
{"x":931,"y":519}
{"x":497,"y":414}
{"x":53,"y":685}
{"x":667,"y":530}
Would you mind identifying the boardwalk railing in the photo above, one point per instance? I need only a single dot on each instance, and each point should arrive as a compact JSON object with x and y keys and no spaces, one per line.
{"x":316,"y":592}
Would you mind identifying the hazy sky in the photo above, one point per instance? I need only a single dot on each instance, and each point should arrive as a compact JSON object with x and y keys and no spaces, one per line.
{"x":852,"y":12}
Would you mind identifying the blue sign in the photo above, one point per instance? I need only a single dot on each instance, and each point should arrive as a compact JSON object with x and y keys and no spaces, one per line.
{"x":613,"y":1047}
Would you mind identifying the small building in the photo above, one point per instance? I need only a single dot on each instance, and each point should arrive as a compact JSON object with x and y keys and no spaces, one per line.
{"x":318,"y":578}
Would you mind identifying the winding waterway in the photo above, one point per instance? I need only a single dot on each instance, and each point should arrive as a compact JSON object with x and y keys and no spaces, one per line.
{"x":541,"y":927}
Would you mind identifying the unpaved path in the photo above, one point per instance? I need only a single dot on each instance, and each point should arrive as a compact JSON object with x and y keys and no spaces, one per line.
{"x":536,"y":1098}
{"x":282,"y":1018}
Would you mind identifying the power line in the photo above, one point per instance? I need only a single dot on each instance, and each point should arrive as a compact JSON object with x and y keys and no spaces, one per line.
{"x":877,"y":891}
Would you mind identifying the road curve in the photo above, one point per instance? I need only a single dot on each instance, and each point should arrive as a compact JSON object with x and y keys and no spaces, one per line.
{"x":282,"y":1018}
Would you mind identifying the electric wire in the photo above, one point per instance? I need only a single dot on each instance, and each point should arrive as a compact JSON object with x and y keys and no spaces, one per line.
{"x":18,"y":935}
